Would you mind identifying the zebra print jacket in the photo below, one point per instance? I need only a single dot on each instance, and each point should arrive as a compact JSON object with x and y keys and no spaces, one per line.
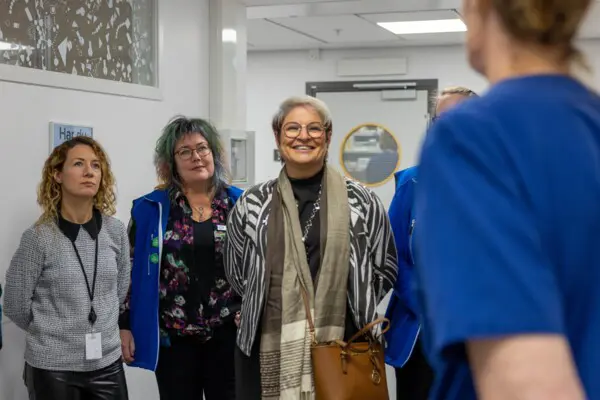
{"x":373,"y":260}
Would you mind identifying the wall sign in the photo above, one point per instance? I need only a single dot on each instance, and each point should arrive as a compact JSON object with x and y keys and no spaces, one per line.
{"x":60,"y":133}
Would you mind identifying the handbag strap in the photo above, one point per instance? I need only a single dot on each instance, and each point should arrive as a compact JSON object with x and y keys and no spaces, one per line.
{"x":311,"y":324}
{"x":362,"y":332}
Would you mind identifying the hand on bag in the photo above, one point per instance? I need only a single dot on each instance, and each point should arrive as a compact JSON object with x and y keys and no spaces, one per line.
{"x":237,"y":319}
{"x":127,"y":346}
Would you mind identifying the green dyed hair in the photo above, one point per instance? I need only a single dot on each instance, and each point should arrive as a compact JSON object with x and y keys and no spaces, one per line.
{"x":164,"y":154}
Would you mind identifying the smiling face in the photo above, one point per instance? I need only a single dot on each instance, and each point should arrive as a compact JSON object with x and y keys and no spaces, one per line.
{"x":194,"y":159}
{"x":81,"y":173}
{"x":303,"y":142}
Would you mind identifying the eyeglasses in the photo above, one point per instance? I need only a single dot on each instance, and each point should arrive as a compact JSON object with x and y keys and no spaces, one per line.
{"x":293,"y":129}
{"x":186,"y":153}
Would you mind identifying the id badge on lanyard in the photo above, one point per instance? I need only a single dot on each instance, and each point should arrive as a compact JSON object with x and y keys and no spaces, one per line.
{"x":93,"y":340}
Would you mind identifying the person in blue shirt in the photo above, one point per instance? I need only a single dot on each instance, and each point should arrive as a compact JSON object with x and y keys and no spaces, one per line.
{"x":414,"y":376}
{"x":508,"y":245}
{"x":382,"y":165}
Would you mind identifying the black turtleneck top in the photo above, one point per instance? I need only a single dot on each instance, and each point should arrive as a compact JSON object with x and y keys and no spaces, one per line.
{"x":306,"y":193}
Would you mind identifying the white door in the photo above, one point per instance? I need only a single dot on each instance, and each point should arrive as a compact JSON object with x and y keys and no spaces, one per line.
{"x":405,"y":119}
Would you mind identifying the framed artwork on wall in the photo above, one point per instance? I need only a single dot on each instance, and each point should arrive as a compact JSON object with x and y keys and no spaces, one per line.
{"x":114,"y":41}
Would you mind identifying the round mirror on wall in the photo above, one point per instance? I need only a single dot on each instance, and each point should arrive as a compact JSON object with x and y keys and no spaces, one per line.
{"x":370,"y":154}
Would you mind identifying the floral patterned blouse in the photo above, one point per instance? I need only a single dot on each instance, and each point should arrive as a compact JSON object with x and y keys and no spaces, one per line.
{"x":195,"y":297}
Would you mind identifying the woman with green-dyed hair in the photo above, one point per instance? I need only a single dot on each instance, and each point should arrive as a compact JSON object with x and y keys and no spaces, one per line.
{"x":181,"y":315}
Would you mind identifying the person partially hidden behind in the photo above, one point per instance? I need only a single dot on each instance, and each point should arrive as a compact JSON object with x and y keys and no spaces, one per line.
{"x":67,"y":278}
{"x":382,"y":165}
{"x":180,"y":318}
{"x":414,"y":376}
{"x":508,"y":201}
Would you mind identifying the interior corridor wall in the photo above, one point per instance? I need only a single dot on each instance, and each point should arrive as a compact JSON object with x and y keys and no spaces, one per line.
{"x":273,"y":76}
{"x":126,"y":127}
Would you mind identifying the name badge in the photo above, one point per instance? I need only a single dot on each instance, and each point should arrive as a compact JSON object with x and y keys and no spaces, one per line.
{"x":93,"y":346}
{"x":221,"y":228}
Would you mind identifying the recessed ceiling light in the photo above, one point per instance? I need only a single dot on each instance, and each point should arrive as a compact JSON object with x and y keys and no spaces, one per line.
{"x":420,"y":27}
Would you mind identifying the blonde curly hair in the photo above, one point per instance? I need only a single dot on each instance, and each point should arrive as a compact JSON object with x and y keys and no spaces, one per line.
{"x":49,"y":194}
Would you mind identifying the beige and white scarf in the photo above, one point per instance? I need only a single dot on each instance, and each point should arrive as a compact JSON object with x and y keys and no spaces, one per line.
{"x":285,"y":357}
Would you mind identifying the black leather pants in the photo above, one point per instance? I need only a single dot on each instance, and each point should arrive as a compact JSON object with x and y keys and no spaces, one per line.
{"x":105,"y":384}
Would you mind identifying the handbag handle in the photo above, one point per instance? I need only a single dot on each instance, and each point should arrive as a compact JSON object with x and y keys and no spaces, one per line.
{"x":370,"y":326}
{"x":362,"y":332}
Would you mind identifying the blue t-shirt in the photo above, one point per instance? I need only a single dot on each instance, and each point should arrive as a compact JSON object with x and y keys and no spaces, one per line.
{"x":508,"y":240}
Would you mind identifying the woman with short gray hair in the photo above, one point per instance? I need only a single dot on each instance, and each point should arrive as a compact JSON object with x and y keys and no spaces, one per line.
{"x":312,"y":233}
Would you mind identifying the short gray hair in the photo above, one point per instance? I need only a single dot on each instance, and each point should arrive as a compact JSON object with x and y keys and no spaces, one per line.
{"x":461,"y":90}
{"x":302,"y":101}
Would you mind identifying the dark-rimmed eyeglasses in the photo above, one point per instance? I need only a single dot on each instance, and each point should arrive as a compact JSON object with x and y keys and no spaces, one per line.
{"x":186,"y":153}
{"x":293,"y":129}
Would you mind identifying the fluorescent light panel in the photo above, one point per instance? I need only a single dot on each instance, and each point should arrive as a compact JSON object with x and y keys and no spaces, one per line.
{"x":420,"y":27}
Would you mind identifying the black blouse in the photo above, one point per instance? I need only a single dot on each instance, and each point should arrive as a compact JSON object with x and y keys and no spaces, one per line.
{"x":306,"y":193}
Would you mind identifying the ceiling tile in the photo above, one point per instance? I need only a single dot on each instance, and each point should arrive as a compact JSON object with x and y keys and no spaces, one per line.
{"x":254,"y":3}
{"x":339,"y":28}
{"x":426,"y":39}
{"x":265,"y":34}
{"x":412,"y":16}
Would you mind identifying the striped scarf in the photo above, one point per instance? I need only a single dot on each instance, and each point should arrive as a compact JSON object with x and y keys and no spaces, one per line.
{"x":285,"y":358}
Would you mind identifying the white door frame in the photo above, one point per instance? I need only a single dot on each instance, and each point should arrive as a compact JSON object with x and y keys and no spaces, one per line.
{"x":418,"y":85}
{"x":431,"y":85}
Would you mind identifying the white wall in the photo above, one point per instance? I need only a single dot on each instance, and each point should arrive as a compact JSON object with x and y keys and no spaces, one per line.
{"x":273,"y":76}
{"x":127,"y":128}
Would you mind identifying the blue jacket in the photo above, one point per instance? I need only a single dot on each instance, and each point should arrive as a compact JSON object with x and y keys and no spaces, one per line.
{"x":402,"y":309}
{"x":151,"y":213}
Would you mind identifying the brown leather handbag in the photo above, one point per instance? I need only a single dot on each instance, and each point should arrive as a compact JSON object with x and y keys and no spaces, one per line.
{"x":352,"y":370}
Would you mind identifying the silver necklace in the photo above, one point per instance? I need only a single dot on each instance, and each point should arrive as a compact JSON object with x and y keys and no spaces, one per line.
{"x":313,"y":214}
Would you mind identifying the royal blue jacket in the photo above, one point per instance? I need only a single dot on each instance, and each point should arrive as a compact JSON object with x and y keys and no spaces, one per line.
{"x":402,"y":309}
{"x":150,"y":213}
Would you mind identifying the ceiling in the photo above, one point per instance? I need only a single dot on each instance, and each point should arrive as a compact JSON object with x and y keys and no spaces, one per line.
{"x":327,"y":24}
{"x":280,"y":2}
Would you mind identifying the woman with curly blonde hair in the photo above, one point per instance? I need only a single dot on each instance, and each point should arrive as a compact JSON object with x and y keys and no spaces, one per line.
{"x":69,"y":276}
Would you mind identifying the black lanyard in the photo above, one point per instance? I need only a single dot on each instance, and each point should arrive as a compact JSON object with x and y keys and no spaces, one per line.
{"x":92,"y":315}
